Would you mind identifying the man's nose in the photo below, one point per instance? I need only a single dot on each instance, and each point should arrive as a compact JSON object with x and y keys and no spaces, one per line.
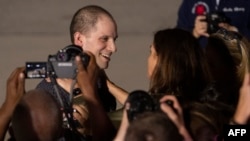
{"x":112,"y":46}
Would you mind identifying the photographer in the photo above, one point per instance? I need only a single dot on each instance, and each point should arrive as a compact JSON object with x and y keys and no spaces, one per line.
{"x":196,"y":15}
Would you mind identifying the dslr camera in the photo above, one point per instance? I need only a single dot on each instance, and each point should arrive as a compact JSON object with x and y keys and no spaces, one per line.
{"x":141,"y":101}
{"x":59,"y":65}
{"x":213,"y":19}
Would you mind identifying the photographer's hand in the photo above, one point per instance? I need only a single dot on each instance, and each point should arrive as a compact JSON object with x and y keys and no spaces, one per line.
{"x":228,"y":27}
{"x":81,"y":114}
{"x":175,"y":115}
{"x":87,"y":77}
{"x":101,"y":125}
{"x":14,"y":92}
{"x":200,"y":27}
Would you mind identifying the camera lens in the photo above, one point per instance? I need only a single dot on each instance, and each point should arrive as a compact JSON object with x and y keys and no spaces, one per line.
{"x":140,"y":101}
{"x":62,"y":56}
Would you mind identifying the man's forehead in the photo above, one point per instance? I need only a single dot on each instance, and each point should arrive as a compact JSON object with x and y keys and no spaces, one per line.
{"x":105,"y":27}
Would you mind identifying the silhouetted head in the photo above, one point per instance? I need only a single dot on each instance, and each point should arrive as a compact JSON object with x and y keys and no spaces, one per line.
{"x":205,"y":120}
{"x":152,"y":126}
{"x":37,"y":117}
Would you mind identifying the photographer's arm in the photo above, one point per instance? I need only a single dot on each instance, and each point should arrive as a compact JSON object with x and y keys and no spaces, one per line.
{"x":242,"y":113}
{"x":200,"y":27}
{"x":228,"y":27}
{"x":14,"y":92}
{"x":102,"y":127}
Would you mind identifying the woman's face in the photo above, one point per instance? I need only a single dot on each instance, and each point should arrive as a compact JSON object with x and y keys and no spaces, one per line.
{"x":152,"y":60}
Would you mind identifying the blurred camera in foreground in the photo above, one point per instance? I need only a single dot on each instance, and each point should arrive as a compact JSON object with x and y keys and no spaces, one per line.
{"x":140,"y":101}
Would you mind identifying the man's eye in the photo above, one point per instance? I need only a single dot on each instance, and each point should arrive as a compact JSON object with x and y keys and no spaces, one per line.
{"x":104,"y":39}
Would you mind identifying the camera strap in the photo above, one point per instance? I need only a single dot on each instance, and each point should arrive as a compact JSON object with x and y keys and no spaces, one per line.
{"x":69,"y":123}
{"x":66,"y":106}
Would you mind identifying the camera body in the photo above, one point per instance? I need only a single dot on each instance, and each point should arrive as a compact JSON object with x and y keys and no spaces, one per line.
{"x":141,"y":101}
{"x":60,"y":65}
{"x":213,"y":19}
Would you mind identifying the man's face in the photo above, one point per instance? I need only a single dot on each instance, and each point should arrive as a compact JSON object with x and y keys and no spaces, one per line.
{"x":101,"y":41}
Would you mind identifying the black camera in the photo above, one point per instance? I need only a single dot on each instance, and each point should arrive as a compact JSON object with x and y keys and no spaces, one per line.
{"x":213,"y":19}
{"x":140,"y":101}
{"x":60,"y":65}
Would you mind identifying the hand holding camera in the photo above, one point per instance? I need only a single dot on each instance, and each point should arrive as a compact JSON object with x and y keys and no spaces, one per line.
{"x":209,"y":23}
{"x":140,"y":101}
{"x":175,"y":114}
{"x":200,"y":27}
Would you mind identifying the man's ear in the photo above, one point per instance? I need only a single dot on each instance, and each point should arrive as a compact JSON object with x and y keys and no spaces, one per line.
{"x":79,"y":39}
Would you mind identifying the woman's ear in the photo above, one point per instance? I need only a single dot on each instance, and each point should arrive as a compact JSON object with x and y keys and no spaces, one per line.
{"x":79,"y":39}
